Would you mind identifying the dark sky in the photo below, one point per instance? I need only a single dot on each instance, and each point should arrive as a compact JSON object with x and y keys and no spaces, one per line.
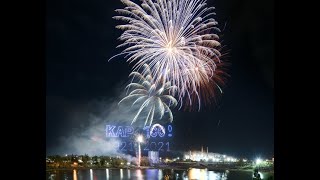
{"x":81,"y":37}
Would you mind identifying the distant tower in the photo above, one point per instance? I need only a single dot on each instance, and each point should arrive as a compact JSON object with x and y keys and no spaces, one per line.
{"x":207,"y":151}
{"x":202,"y":156}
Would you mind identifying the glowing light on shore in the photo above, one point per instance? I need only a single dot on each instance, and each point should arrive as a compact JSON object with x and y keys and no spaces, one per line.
{"x":258,"y":161}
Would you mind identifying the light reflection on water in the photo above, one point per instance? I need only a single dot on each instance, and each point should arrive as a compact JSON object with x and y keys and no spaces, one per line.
{"x":91,"y":174}
{"x":148,"y":174}
{"x":203,"y":174}
{"x":160,"y":175}
{"x":129,"y":176}
{"x":107,"y":174}
{"x":139,"y":174}
{"x":75,"y":177}
{"x":121,"y":173}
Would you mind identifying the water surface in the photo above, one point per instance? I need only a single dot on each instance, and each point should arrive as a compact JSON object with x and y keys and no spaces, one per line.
{"x":149,"y":174}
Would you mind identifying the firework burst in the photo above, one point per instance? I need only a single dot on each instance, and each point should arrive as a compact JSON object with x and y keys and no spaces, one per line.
{"x":151,"y":95}
{"x":176,"y":38}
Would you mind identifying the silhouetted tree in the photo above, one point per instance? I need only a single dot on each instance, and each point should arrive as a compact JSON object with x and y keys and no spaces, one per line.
{"x":144,"y":161}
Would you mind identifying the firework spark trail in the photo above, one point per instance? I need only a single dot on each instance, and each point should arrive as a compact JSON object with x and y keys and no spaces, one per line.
{"x":207,"y":90}
{"x":175,"y":38}
{"x":152,"y":95}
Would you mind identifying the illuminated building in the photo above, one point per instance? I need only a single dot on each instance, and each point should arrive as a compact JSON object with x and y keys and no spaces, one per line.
{"x":153,"y":157}
{"x":208,"y":157}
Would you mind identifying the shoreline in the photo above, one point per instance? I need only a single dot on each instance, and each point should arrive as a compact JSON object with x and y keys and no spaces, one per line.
{"x":152,"y":167}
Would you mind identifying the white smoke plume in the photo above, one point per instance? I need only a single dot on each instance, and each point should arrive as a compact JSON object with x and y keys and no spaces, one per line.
{"x":87,"y":134}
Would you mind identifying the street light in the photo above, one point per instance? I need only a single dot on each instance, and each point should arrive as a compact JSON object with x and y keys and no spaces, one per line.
{"x":258,"y":161}
{"x":140,"y":140}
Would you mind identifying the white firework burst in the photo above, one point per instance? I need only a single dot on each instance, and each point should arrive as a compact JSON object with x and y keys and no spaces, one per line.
{"x":151,"y":95}
{"x":176,"y":38}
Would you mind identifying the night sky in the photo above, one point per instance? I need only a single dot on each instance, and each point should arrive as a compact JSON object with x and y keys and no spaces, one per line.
{"x":81,"y":37}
